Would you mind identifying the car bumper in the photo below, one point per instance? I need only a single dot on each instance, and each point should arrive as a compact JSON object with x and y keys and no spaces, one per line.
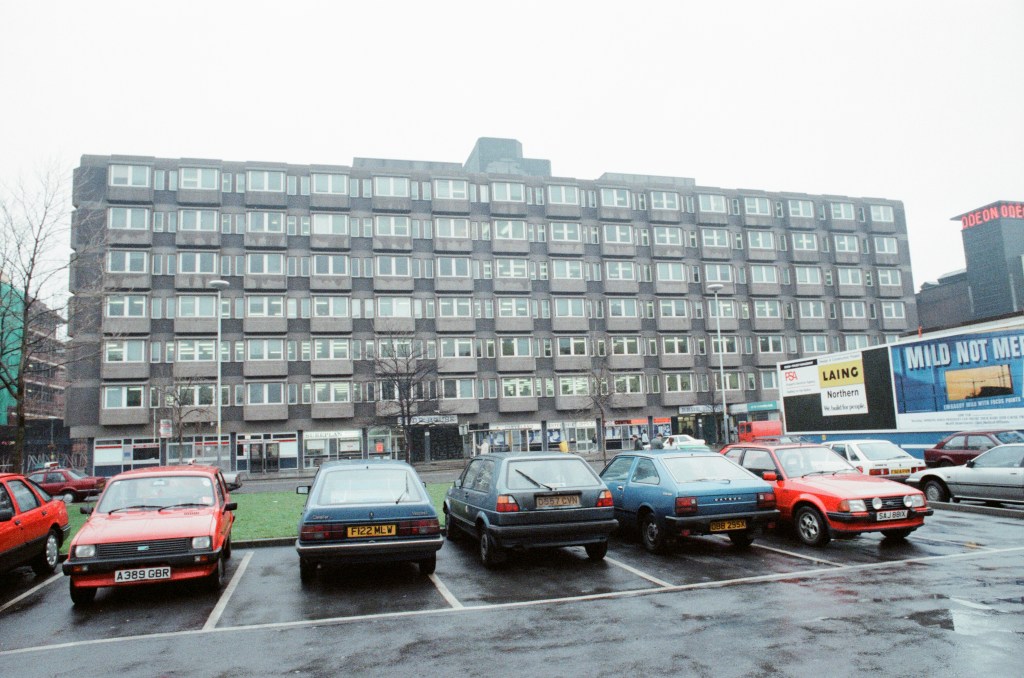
{"x":702,"y":524}
{"x":866,"y":522}
{"x":370,"y":551}
{"x":100,"y":571}
{"x":552,"y":534}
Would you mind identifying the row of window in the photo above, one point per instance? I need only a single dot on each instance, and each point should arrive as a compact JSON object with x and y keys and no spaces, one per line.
{"x":277,"y":181}
{"x":467,"y":307}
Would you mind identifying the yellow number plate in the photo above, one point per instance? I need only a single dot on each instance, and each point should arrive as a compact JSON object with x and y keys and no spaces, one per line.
{"x":371,"y":531}
{"x":728,"y":525}
{"x":558,"y":500}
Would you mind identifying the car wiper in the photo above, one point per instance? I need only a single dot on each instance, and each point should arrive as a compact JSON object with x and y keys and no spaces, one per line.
{"x":815,"y":473}
{"x":549,"y":487}
{"x":404,"y":492}
{"x":135,"y":506}
{"x":712,"y":480}
{"x":184,"y":505}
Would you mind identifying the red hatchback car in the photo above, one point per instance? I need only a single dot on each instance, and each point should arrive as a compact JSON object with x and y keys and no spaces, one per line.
{"x":161,"y":524}
{"x":960,"y":448}
{"x":33,"y":525}
{"x":67,"y":484}
{"x":823,"y":496}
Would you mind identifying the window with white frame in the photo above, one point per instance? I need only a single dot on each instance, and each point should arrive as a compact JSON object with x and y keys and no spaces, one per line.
{"x":391,"y":266}
{"x":618,"y":234}
{"x":729,"y":344}
{"x":451,"y":189}
{"x":195,"y":350}
{"x":847,"y":243}
{"x":678,"y":344}
{"x":672,"y":308}
{"x":517,"y":387}
{"x":563,"y":195}
{"x":668,"y":236}
{"x":628,"y":383}
{"x":767,"y":308}
{"x":453,"y":267}
{"x":264,"y":306}
{"x":504,"y":191}
{"x":842,"y":210}
{"x":711,"y":203}
{"x":264,"y":263}
{"x":455,"y":347}
{"x":664,"y":200}
{"x":271,"y":181}
{"x":761,"y":240}
{"x":812,"y":309}
{"x":572,"y":346}
{"x":853,"y":342}
{"x":332,"y":348}
{"x":514,"y":307}
{"x":882,"y":213}
{"x":769,"y":379}
{"x":805,"y":242}
{"x":455,"y":307}
{"x":205,"y":221}
{"x":134,"y":176}
{"x":849,"y":276}
{"x":506,"y":267}
{"x":127,"y":261}
{"x":763,"y":274}
{"x":718,"y":273}
{"x":814,"y":343}
{"x":679,"y":382}
{"x":128,"y":218}
{"x":125,"y":351}
{"x":395,"y":348}
{"x":620,"y":270}
{"x":670,"y":271}
{"x":509,"y":229}
{"x":515,"y":347}
{"x":394,"y":307}
{"x":619,"y":307}
{"x":458,"y":388}
{"x":854,"y":310}
{"x":801,"y":208}
{"x":893,"y":310}
{"x":890,"y":277}
{"x":122,"y":397}
{"x":330,"y":264}
{"x":265,"y":222}
{"x":770,"y":343}
{"x":886,"y":245}
{"x":759,"y":207}
{"x":570,"y":307}
{"x":126,"y":306}
{"x":197,"y":306}
{"x":566,"y":269}
{"x":197,"y":262}
{"x":329,"y":224}
{"x":448,"y":227}
{"x":199,"y":178}
{"x":265,"y":393}
{"x":391,"y":225}
{"x":726,"y":306}
{"x":614,"y":197}
{"x":391,"y":187}
{"x":732,"y":381}
{"x":332,"y":391}
{"x":807,"y":275}
{"x":332,"y":306}
{"x":574,"y":386}
{"x":714,"y":237}
{"x":566,"y":232}
{"x":330,"y":184}
{"x":264,"y":349}
{"x":625,"y":345}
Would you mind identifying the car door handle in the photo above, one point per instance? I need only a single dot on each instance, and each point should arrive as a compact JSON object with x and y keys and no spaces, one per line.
{"x":619,"y":488}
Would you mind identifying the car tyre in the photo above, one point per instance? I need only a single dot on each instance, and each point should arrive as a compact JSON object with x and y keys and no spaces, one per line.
{"x":597,"y":551}
{"x":227,"y":548}
{"x":451,"y":531}
{"x":651,"y":534}
{"x":68,"y":497}
{"x":811,"y":527}
{"x":82,"y":595}
{"x":427,"y":565}
{"x":212,"y":581}
{"x":900,"y":534}
{"x":936,"y":490}
{"x":741,"y":539}
{"x":46,"y":561}
{"x":307,"y":571}
{"x":491,"y":555}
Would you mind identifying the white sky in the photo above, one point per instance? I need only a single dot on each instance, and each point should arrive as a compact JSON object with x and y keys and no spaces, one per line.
{"x":916,"y":101}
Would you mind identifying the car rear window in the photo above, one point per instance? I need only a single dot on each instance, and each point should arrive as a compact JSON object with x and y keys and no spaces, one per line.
{"x":1009,"y":437}
{"x":881,"y":451}
{"x":696,"y":468}
{"x":553,"y":473}
{"x":367,"y":486}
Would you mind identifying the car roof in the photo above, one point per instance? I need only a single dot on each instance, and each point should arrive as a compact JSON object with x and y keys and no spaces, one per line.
{"x":857,"y":440}
{"x":669,"y":452}
{"x":180,"y":469}
{"x":774,"y":446}
{"x":531,"y":456}
{"x":352,"y":463}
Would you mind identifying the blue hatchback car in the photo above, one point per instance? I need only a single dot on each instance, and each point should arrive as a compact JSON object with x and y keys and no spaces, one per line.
{"x":367,"y":511}
{"x":666,"y":494}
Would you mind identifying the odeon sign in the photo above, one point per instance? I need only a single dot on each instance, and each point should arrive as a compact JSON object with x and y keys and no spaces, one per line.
{"x":1001,"y":210}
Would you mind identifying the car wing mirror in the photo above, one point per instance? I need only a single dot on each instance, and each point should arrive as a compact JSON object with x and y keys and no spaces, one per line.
{"x":770,"y":475}
{"x":6,"y":515}
{"x":85,"y":510}
{"x":231,"y":506}
{"x":970,"y":463}
{"x":302,"y":489}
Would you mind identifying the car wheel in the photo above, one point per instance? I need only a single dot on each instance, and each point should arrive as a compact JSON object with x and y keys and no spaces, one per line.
{"x":741,"y":539}
{"x":491,"y":555}
{"x":944,"y":463}
{"x":597,"y":551}
{"x":68,"y":497}
{"x":450,"y":529}
{"x":897,"y":534}
{"x":227,"y":548}
{"x":935,"y":490}
{"x":212,"y":581}
{"x":82,"y":595}
{"x":428,"y":565}
{"x":651,"y":534}
{"x":48,"y":559}
{"x":307,"y":571}
{"x":811,"y":527}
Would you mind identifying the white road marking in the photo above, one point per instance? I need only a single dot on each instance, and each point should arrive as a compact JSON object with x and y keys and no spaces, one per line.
{"x":643,"y":575}
{"x":332,"y":621}
{"x":963,"y":544}
{"x":218,"y":610}
{"x":32,"y":590}
{"x":445,"y":593}
{"x":794,"y":554}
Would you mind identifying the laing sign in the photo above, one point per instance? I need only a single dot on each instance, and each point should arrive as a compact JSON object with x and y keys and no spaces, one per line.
{"x":1000,"y":210}
{"x":837,"y":380}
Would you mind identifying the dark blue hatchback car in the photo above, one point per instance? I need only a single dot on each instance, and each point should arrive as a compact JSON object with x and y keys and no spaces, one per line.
{"x":675,"y":493}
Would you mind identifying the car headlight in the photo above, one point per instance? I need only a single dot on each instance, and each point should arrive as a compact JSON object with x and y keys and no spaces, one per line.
{"x":199,"y":543}
{"x":852,"y":505}
{"x":85,"y":551}
{"x":913,"y":500}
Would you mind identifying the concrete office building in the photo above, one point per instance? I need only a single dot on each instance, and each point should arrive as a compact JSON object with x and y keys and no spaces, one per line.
{"x":526,"y":287}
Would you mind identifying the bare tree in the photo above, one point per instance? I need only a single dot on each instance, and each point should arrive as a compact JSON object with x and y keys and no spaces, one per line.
{"x":190,"y":406}
{"x":406,"y":379}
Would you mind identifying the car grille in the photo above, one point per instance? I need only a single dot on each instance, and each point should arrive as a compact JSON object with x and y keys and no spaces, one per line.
{"x":160,"y":547}
{"x":888,"y":503}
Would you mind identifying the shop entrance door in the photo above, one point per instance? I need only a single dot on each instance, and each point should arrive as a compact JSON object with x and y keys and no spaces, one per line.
{"x":264,"y":457}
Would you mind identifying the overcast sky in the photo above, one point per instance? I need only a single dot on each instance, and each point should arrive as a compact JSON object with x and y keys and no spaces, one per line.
{"x":916,"y":101}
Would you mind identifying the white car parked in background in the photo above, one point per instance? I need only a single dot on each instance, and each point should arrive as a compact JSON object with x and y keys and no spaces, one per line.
{"x":878,"y":458}
{"x":994,"y":476}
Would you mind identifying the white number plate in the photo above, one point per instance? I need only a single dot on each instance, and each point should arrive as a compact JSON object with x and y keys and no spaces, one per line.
{"x":892,"y":515}
{"x":142,"y":574}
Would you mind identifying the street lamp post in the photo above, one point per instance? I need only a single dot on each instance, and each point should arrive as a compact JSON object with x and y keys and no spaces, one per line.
{"x":715,"y":287}
{"x":219,"y":285}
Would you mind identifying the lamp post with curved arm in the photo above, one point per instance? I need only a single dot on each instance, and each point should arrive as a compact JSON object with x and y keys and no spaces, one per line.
{"x":715,"y":287}
{"x":219,"y":285}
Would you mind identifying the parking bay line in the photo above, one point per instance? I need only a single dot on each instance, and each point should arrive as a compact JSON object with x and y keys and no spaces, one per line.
{"x":794,"y":554}
{"x":32,"y":590}
{"x":642,"y":575}
{"x":218,"y":609}
{"x":445,"y":593}
{"x":331,"y":621}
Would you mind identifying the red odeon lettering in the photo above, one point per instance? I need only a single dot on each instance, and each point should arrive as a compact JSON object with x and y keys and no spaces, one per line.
{"x":1012,"y":210}
{"x":987,"y":214}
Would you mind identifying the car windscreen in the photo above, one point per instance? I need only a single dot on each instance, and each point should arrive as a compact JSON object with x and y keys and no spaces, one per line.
{"x":1010,"y":437}
{"x":700,"y":468}
{"x":341,"y":487}
{"x":157,"y":492}
{"x":551,"y":474}
{"x":802,"y":461}
{"x":881,"y":451}
{"x":75,"y":475}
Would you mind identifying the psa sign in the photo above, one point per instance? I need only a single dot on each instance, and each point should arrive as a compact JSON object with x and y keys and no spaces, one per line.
{"x":999,"y":210}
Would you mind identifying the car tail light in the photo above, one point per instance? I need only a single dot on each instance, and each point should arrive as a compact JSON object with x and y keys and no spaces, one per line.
{"x":407,"y":528}
{"x":507,"y":504}
{"x":686,"y":505}
{"x":605,"y":499}
{"x":314,"y":532}
{"x":766,"y":500}
{"x":861,"y":469}
{"x":918,"y":468}
{"x":879,"y":472}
